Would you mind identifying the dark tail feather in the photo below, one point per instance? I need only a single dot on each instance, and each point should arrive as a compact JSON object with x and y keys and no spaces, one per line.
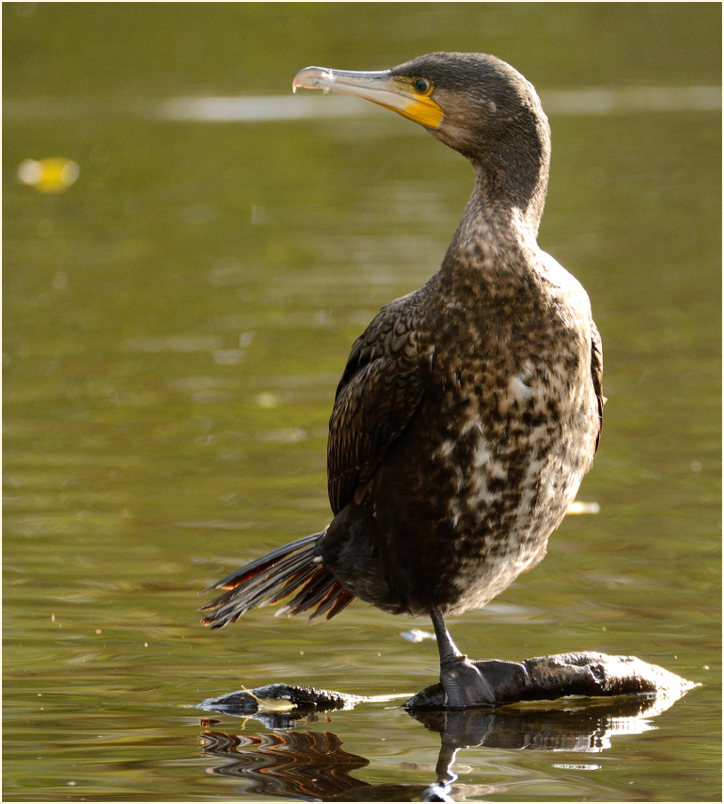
{"x":293,"y":568}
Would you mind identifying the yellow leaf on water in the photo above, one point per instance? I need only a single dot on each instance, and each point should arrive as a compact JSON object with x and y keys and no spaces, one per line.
{"x":271,"y":704}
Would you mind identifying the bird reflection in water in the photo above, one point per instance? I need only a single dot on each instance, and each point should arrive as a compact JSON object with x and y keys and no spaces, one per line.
{"x":288,"y":764}
{"x":309,"y":764}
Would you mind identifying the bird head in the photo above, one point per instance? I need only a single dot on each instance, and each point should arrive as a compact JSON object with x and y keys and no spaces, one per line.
{"x":472,"y":102}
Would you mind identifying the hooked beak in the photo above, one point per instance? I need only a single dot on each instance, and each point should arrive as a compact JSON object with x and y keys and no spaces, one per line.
{"x":393,"y":92}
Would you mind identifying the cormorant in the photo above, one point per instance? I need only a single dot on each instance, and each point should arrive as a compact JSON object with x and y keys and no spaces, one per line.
{"x":470,"y":409}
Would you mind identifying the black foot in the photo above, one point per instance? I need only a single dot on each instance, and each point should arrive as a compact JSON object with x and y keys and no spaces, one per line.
{"x":465,"y":686}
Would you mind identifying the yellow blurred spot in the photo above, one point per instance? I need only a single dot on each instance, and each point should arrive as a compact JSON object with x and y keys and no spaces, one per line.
{"x":52,"y":175}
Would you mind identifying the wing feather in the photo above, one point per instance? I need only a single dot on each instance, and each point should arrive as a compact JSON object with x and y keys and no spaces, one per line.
{"x":381,"y":388}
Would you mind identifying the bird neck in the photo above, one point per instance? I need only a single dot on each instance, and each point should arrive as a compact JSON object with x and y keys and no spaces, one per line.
{"x":496,"y":234}
{"x":510,"y":198}
{"x":504,"y":211}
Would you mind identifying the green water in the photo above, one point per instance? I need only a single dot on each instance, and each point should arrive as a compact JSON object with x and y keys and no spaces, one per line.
{"x":174,"y":328}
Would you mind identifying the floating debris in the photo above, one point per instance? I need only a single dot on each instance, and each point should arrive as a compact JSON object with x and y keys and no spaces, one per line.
{"x":584,"y":680}
{"x":304,"y":700}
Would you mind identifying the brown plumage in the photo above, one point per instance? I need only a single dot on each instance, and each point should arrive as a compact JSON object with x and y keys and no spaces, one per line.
{"x":470,"y":409}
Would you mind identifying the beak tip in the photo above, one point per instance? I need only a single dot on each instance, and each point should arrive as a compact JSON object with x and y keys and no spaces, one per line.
{"x":314,"y":78}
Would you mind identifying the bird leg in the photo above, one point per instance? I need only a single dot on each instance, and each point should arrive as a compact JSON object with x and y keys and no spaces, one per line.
{"x":463,"y":683}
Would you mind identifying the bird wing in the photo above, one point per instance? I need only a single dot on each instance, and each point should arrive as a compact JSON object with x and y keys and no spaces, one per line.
{"x":382,"y":386}
{"x":597,"y":374}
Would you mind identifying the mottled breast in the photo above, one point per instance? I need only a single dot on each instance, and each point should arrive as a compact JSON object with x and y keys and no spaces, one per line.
{"x":509,"y":423}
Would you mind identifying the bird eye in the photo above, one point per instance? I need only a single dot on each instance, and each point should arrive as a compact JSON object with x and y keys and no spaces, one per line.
{"x":422,"y":86}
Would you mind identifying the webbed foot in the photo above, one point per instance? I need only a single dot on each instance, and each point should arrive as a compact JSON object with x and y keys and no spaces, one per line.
{"x":464,"y":685}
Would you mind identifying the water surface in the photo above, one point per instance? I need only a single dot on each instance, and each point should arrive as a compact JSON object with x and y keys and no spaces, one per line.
{"x":175,"y":324}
